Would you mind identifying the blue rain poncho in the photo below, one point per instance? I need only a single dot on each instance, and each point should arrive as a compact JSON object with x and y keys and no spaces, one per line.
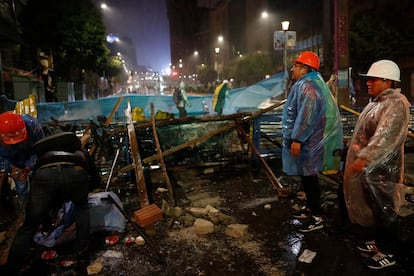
{"x":378,"y":139}
{"x":311,"y":117}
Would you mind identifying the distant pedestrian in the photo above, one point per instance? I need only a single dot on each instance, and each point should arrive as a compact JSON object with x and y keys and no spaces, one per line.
{"x":375,"y":159}
{"x":48,"y":77}
{"x":219,"y":97}
{"x":181,"y":100}
{"x":312,"y":132}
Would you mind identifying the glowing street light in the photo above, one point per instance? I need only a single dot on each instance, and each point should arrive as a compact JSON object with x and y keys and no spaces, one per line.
{"x":217,"y":51}
{"x":264,"y":14}
{"x":285,"y":28}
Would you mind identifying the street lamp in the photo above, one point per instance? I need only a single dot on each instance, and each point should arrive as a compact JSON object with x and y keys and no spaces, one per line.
{"x":217,"y":51}
{"x":285,"y":28}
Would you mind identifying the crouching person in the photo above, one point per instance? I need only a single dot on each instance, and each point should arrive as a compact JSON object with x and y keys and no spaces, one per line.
{"x":63,"y":172}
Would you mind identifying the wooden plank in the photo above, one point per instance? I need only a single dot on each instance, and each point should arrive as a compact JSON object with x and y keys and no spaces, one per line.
{"x":203,"y":138}
{"x":136,"y":159}
{"x":114,"y":109}
{"x":161,"y":158}
{"x":270,"y":108}
{"x":282,"y":191}
{"x":87,"y":133}
{"x":190,"y":143}
{"x":356,"y":113}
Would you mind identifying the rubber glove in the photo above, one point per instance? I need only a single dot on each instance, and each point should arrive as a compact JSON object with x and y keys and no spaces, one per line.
{"x":358,"y":165}
{"x":295,"y":149}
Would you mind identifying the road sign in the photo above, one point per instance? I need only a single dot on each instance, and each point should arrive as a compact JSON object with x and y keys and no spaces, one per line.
{"x":279,"y":39}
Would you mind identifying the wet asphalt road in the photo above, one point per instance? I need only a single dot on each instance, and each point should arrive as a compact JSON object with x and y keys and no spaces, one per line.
{"x":243,"y":193}
{"x":334,"y":245}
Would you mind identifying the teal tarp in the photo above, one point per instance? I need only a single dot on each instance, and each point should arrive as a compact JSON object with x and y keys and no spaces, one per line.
{"x":239,"y":99}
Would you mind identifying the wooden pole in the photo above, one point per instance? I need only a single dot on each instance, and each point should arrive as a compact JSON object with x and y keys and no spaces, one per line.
{"x":136,"y":158}
{"x":203,"y":138}
{"x":160,"y":157}
{"x":282,"y":191}
{"x":87,"y":133}
{"x":356,"y":113}
{"x":190,"y":143}
{"x":116,"y":106}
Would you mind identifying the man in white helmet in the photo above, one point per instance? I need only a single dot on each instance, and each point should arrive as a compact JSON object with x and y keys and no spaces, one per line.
{"x":376,"y":159}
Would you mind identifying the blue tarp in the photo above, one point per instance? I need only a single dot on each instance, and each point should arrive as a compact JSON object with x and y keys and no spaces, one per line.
{"x":238,"y":100}
{"x":248,"y":98}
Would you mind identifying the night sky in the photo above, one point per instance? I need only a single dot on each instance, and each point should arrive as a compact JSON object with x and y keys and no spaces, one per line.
{"x":146,"y":23}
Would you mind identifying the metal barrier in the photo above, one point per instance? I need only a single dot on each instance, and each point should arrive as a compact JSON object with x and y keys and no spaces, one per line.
{"x":267,"y":134}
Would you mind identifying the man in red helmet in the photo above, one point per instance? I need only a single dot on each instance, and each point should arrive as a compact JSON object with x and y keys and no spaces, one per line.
{"x":312,"y":131}
{"x":18,"y":134}
{"x":63,"y":173}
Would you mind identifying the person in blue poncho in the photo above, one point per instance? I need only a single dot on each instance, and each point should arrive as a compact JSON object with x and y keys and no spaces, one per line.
{"x":18,"y":134}
{"x":312,"y":132}
{"x":64,"y":172}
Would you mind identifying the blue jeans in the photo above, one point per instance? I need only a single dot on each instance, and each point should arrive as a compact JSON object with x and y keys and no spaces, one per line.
{"x":51,"y":187}
{"x":22,"y":187}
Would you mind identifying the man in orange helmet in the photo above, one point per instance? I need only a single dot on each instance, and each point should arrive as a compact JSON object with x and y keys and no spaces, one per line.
{"x":18,"y":134}
{"x":312,"y":132}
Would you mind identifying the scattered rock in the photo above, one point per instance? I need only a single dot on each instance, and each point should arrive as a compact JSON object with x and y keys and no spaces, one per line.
{"x":203,"y":226}
{"x":198,"y":212}
{"x":94,"y":268}
{"x":236,"y":230}
{"x":139,"y":240}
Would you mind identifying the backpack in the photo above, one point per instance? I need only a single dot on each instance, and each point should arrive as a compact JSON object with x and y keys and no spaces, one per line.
{"x":61,"y":141}
{"x":177,"y":96}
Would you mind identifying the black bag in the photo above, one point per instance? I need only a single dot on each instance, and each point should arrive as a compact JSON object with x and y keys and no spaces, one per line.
{"x":177,"y":96}
{"x":61,"y":141}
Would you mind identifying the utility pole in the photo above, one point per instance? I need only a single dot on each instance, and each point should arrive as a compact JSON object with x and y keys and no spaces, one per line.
{"x":2,"y":92}
{"x":342,"y":52}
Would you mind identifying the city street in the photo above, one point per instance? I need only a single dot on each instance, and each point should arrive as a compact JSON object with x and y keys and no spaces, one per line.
{"x":271,"y":244}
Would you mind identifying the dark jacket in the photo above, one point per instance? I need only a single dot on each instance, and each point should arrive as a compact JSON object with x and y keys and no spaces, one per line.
{"x":65,"y":148}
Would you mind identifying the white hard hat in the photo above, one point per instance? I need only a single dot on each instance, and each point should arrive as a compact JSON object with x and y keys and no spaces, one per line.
{"x":384,"y":69}
{"x":225,"y":81}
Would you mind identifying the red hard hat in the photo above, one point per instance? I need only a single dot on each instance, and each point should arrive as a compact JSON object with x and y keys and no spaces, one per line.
{"x":309,"y":58}
{"x":12,"y":128}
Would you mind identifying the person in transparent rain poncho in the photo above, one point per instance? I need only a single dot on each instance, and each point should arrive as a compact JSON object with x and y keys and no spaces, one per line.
{"x":312,"y":132}
{"x":374,"y":167}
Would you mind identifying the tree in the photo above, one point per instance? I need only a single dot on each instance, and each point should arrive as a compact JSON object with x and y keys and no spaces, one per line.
{"x":206,"y":74}
{"x":71,"y":30}
{"x":253,"y":68}
{"x":113,"y":67}
{"x":376,"y":36}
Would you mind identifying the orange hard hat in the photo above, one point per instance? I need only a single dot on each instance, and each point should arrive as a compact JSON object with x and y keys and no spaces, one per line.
{"x":309,"y":58}
{"x":12,"y":128}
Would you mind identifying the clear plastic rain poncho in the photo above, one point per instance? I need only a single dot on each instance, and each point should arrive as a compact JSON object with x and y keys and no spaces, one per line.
{"x":378,"y":139}
{"x":311,"y":117}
